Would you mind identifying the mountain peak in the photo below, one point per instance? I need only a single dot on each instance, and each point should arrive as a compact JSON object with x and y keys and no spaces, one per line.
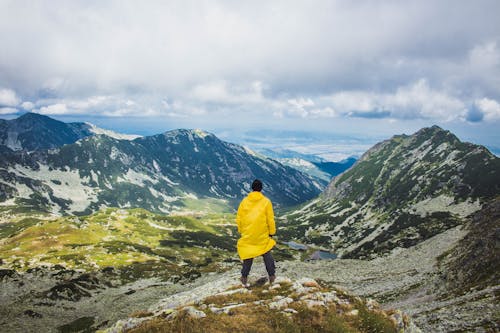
{"x":35,"y":117}
{"x":191,"y":133}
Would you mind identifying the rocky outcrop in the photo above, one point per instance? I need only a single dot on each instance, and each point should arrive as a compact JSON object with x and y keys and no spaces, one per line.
{"x":302,"y":304}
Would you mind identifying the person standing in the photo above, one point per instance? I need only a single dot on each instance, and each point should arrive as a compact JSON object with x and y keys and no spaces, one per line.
{"x":255,"y":220}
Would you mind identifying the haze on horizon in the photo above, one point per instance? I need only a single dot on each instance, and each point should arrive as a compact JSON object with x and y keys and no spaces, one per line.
{"x":366,"y":69}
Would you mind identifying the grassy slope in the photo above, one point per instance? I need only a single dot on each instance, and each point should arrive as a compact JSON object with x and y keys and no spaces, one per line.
{"x":112,"y":237}
{"x":137,"y":241}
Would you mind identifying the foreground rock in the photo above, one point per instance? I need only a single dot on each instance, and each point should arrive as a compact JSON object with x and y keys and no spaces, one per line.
{"x":286,"y":306}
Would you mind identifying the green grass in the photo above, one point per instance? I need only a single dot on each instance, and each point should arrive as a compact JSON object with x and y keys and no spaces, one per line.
{"x":206,"y":205}
{"x":128,"y":239}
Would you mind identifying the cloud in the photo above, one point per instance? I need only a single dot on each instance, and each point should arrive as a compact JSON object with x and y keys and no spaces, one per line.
{"x":224,"y":93}
{"x":8,"y":97}
{"x":415,"y":101}
{"x":225,"y":61}
{"x":8,"y":110}
{"x":290,"y":45}
{"x":485,"y":56}
{"x":489,"y":108}
{"x":54,"y":109}
{"x":28,"y":106}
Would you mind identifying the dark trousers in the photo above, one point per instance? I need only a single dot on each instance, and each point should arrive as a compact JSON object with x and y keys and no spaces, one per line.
{"x":268,"y":260}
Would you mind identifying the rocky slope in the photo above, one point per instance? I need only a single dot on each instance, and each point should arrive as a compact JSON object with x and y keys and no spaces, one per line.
{"x":159,"y":173}
{"x":402,"y":191}
{"x":473,"y":263}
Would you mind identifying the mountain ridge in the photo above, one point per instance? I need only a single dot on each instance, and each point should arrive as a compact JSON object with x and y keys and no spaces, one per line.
{"x":401,"y":191}
{"x":33,"y":131}
{"x":158,"y":173}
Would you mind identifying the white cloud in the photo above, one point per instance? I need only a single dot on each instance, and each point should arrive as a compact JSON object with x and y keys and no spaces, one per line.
{"x":28,"y":106}
{"x":490,"y":108}
{"x":417,"y":100}
{"x":485,"y":56}
{"x":8,"y":97}
{"x":54,"y":109}
{"x":8,"y":110}
{"x":228,"y":93}
{"x":326,"y":112}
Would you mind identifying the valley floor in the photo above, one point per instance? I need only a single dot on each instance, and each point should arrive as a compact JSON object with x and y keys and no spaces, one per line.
{"x":407,"y":280}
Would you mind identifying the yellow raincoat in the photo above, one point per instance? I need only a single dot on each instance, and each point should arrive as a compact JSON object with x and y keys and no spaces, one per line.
{"x":255,"y":221}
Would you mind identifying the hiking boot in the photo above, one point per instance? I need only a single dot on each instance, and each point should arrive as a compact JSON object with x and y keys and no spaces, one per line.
{"x":272,"y":278}
{"x":244,"y":281}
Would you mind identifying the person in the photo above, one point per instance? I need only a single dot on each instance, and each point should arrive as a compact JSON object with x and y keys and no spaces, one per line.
{"x":255,"y":220}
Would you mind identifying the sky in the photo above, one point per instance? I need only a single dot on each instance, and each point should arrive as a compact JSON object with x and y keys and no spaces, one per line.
{"x":362,"y":70}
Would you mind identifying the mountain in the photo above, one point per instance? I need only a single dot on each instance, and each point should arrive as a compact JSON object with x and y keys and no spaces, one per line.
{"x":158,"y":173}
{"x":400,"y":192}
{"x":313,"y":165}
{"x":33,"y":131}
{"x":335,"y":168}
{"x":283,"y":153}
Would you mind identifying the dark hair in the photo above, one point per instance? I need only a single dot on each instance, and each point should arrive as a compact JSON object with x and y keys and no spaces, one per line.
{"x":257,"y":185}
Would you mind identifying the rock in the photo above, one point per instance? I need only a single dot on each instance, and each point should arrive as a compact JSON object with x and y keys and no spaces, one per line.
{"x":275,"y":286}
{"x":305,"y":285}
{"x":194,"y":313}
{"x":108,"y":269}
{"x":32,"y":314}
{"x":75,"y":289}
{"x":7,"y":273}
{"x":289,"y":310}
{"x":281,"y":303}
{"x":354,"y":312}
{"x":331,"y":297}
{"x":166,"y":313}
{"x":282,"y":279}
{"x":226,"y":309}
{"x":310,"y":283}
{"x":234,"y":291}
{"x":125,"y":325}
{"x":372,"y":304}
{"x":313,"y":303}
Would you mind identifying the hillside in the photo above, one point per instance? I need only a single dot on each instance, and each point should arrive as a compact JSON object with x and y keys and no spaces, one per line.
{"x":33,"y":131}
{"x":161,"y":173}
{"x":402,"y":191}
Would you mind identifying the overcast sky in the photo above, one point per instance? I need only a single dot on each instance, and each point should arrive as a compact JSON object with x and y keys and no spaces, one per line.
{"x":359,"y":67}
